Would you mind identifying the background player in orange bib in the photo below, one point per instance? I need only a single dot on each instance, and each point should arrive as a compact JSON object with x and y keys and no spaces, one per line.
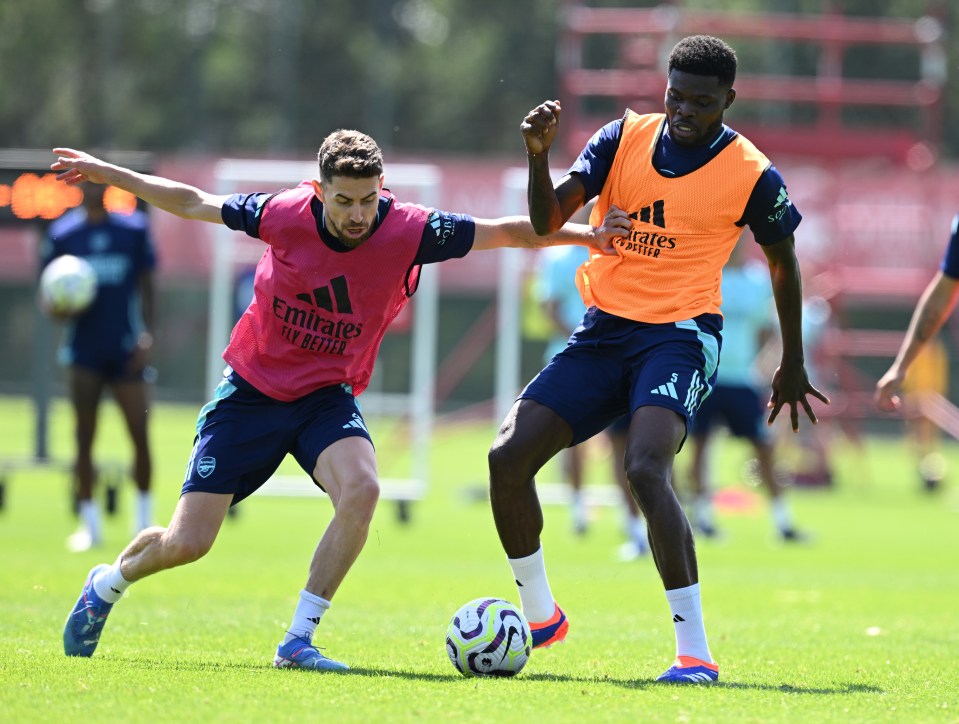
{"x":650,"y":341}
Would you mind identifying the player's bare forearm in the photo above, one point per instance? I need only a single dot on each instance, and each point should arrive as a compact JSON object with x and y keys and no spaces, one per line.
{"x":934,"y":307}
{"x":544,"y":210}
{"x":549,"y":207}
{"x":790,"y":385}
{"x":177,"y":198}
{"x":787,"y":292}
{"x":517,"y":231}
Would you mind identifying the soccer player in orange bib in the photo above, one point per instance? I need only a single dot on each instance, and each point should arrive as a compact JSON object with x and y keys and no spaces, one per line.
{"x":650,"y":341}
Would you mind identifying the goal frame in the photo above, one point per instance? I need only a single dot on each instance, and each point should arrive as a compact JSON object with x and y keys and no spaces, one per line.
{"x":418,"y":402}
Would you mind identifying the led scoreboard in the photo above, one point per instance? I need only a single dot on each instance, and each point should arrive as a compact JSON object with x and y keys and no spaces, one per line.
{"x":30,"y":192}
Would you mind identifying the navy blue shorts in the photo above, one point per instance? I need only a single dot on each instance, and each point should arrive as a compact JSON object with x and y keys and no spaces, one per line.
{"x":243,"y":435}
{"x":739,"y":407}
{"x":620,"y":425}
{"x":111,"y":363}
{"x":613,"y":366}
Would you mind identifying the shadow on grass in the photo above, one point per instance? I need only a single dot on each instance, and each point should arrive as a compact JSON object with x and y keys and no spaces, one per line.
{"x":726,"y":685}
{"x":204,"y":665}
{"x":624,"y":683}
{"x":386,"y":673}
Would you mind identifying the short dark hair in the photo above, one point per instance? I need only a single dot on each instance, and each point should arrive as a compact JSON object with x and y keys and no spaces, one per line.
{"x":349,"y":153}
{"x":704,"y":55}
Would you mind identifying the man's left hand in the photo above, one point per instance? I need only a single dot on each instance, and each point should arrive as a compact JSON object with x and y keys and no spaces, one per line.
{"x":790,"y":386}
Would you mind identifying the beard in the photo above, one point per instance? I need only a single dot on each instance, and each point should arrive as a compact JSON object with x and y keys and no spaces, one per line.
{"x":348,"y":240}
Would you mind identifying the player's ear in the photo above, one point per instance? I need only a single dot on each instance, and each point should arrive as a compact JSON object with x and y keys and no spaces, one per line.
{"x":380,"y":185}
{"x":730,"y":97}
{"x":318,"y":189}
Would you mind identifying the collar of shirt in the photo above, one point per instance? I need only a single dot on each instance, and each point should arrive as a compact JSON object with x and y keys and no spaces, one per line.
{"x":333,"y":242}
{"x":672,"y":159}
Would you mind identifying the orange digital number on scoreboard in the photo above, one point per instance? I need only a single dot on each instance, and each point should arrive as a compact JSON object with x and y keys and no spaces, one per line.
{"x":40,"y":197}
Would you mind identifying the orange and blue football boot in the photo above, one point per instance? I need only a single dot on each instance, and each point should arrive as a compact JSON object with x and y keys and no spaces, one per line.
{"x":552,"y":631}
{"x":690,"y":670}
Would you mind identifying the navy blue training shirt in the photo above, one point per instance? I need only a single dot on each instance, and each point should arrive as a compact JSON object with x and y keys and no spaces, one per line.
{"x":242,"y":212}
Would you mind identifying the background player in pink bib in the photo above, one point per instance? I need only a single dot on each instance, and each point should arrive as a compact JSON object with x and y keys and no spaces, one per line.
{"x":341,"y":259}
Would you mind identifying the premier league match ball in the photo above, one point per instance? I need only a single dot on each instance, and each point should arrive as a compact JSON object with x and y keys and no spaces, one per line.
{"x":488,"y":637}
{"x":68,"y":285}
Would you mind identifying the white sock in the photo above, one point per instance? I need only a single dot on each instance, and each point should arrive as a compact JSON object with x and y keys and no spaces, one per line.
{"x":309,"y":611}
{"x":90,"y":516}
{"x":110,"y":584}
{"x":144,"y":512}
{"x":703,"y":506}
{"x":578,"y":507}
{"x":636,"y":529}
{"x":686,"y":607}
{"x":535,"y":597}
{"x":782,"y":516}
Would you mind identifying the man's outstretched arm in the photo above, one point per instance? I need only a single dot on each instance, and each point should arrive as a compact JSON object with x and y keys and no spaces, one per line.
{"x":186,"y":201}
{"x":517,"y":231}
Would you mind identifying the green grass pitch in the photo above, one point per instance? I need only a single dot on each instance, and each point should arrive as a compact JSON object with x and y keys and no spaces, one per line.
{"x":860,"y":625}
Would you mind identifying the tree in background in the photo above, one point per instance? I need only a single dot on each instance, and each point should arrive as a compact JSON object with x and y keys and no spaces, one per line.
{"x":260,"y":76}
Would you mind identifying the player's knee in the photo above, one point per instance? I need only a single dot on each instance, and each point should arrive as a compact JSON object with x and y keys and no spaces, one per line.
{"x":181,"y":549}
{"x":360,"y":499}
{"x":507,"y":461}
{"x":647,"y":478}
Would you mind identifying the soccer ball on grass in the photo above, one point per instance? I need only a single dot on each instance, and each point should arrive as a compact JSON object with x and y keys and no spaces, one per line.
{"x":488,"y":637}
{"x":68,"y":285}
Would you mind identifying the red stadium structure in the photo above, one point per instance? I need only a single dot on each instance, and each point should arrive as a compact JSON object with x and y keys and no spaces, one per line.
{"x":641,"y":39}
{"x":869,"y":182}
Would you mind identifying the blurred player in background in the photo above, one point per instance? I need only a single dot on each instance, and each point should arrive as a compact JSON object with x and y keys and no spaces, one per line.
{"x":650,"y":341}
{"x":736,"y":397}
{"x":811,"y":447}
{"x":931,"y":312}
{"x":342,"y":258}
{"x":928,"y":375}
{"x":108,"y":344}
{"x":563,"y":305}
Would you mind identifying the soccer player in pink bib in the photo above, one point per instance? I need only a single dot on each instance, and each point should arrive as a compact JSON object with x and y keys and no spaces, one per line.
{"x":341,"y":259}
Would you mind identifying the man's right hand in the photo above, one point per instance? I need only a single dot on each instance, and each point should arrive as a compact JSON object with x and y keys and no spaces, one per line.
{"x":615,"y":225}
{"x":76,"y":166}
{"x":540,"y":126}
{"x":887,"y":391}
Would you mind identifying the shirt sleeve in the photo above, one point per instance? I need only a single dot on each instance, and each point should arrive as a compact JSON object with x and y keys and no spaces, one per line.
{"x":950,"y":262}
{"x":445,"y":236}
{"x":596,"y":159}
{"x":770,"y":213}
{"x":243,"y":212}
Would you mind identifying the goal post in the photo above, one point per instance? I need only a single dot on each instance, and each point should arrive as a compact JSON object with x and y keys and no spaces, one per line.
{"x":417,"y":183}
{"x":513,"y":265}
